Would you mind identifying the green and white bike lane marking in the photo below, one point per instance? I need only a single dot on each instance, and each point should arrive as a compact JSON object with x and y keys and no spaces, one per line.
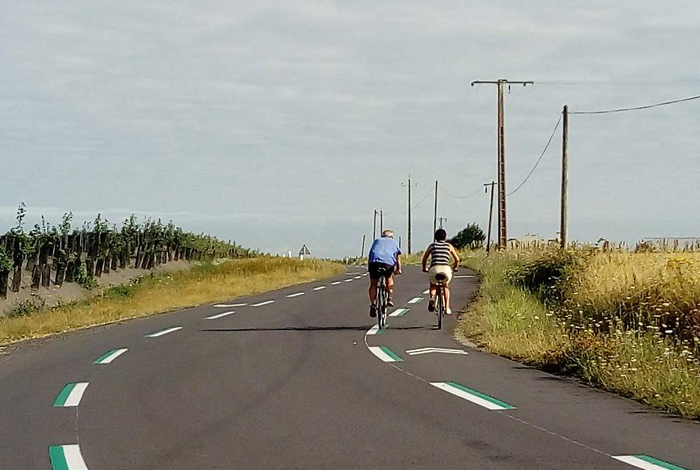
{"x":71,"y":395}
{"x":399,"y":312}
{"x":66,"y":457}
{"x":473,"y":396}
{"x":647,"y":463}
{"x":110,"y":356}
{"x":385,"y":354}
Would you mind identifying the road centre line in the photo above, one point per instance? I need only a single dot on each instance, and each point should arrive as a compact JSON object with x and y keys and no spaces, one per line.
{"x":229,"y":305}
{"x":71,"y":395}
{"x":267,"y":302}
{"x":110,"y":356}
{"x":385,"y":354}
{"x":426,"y":291}
{"x":472,"y":396}
{"x":335,"y":283}
{"x":414,"y":352}
{"x":220,"y":315}
{"x":373,"y":331}
{"x":399,"y":312}
{"x":157,"y":334}
{"x":647,"y":463}
{"x":358,"y":277}
{"x":415,"y":300}
{"x":66,"y":457}
{"x":349,"y":280}
{"x":290,"y":296}
{"x":319,"y":288}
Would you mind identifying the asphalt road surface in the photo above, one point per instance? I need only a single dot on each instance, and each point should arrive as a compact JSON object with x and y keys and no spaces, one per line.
{"x":299,"y":379}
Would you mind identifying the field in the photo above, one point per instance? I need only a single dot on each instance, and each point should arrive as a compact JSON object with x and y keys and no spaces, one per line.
{"x":626,"y":322}
{"x":163,"y":292}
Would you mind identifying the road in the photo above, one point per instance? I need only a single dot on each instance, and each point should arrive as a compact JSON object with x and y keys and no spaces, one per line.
{"x":299,"y":379}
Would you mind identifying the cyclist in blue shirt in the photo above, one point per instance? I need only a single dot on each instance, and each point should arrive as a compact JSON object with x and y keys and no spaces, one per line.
{"x":384,"y":260}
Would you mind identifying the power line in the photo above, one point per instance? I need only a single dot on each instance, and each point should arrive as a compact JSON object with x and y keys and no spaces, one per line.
{"x":637,"y":108}
{"x":619,"y":82}
{"x":442,"y":190}
{"x":539,"y":159}
{"x":454,"y":122}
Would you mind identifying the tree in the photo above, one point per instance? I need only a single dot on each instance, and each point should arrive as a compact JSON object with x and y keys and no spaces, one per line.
{"x":470,"y":237}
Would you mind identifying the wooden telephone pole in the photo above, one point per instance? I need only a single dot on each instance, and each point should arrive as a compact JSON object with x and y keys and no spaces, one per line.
{"x":488,"y":239}
{"x":374,"y":226}
{"x":564,"y":176}
{"x":408,"y":242}
{"x":435,"y":212}
{"x":502,"y":219}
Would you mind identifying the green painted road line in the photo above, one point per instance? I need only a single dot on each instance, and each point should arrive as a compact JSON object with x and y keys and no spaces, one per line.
{"x":63,"y":396}
{"x":110,"y":356}
{"x":58,"y":458}
{"x":473,"y":396}
{"x":500,"y":403}
{"x":391,"y":354}
{"x":66,"y":457}
{"x":70,"y":395}
{"x":646,"y":462}
{"x":399,"y":312}
{"x":660,"y":463}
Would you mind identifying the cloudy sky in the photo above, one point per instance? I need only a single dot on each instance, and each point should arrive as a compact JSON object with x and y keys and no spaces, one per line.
{"x":276,"y":123}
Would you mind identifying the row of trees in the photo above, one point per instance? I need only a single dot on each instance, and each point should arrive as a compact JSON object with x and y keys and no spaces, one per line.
{"x":62,"y":253}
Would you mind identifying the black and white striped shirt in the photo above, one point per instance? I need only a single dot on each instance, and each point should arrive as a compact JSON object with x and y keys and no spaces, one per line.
{"x":440,"y":254}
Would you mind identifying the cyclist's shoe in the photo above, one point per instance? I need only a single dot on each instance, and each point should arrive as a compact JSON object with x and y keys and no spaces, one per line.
{"x":431,"y":305}
{"x":448,"y":311}
{"x":390,"y":302}
{"x":373,"y":311}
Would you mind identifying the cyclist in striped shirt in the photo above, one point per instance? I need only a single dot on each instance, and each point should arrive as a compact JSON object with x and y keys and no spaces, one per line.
{"x":440,"y":252}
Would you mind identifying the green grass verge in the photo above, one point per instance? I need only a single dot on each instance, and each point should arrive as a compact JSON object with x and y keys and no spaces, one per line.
{"x":512,"y":322}
{"x":157,"y":293}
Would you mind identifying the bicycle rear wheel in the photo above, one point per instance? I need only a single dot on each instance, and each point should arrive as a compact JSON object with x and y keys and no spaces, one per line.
{"x":381,"y":303}
{"x":439,"y":306}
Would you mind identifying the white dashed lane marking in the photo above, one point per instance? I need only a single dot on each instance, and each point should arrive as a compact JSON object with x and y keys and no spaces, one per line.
{"x":163,"y":332}
{"x":319,"y":288}
{"x":267,"y":302}
{"x":229,"y":305}
{"x":220,"y":315}
{"x":291,"y":296}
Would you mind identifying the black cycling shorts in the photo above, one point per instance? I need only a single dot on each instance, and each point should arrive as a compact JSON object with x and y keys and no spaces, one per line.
{"x":377,"y":270}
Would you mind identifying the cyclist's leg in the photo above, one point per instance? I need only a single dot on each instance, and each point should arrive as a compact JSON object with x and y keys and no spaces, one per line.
{"x":372,"y":290}
{"x":390,"y":289}
{"x":446,"y":289}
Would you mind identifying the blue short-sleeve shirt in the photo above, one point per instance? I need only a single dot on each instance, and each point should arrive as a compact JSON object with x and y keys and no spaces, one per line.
{"x":384,"y":250}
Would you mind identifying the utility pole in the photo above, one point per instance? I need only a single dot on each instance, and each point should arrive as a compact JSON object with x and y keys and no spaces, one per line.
{"x":564,"y":176}
{"x":442,"y":219}
{"x":488,"y":239}
{"x":409,"y":216}
{"x":502,"y":219}
{"x":374,"y":226}
{"x":381,"y":221}
{"x":436,"y":208}
{"x":362,"y":252}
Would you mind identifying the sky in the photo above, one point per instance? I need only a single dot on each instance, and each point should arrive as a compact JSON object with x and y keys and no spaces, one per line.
{"x":277,"y":123}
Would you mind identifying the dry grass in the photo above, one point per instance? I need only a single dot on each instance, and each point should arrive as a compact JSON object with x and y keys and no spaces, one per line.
{"x":168,"y":291}
{"x":610,"y":329}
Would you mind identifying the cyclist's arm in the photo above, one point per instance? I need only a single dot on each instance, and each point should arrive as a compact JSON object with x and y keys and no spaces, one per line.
{"x":455,"y":256}
{"x":425,"y":257}
{"x":398,"y":264}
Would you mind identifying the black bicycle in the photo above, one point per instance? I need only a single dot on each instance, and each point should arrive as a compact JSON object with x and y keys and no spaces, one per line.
{"x":440,"y":299}
{"x":381,"y":304}
{"x":440,"y":303}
